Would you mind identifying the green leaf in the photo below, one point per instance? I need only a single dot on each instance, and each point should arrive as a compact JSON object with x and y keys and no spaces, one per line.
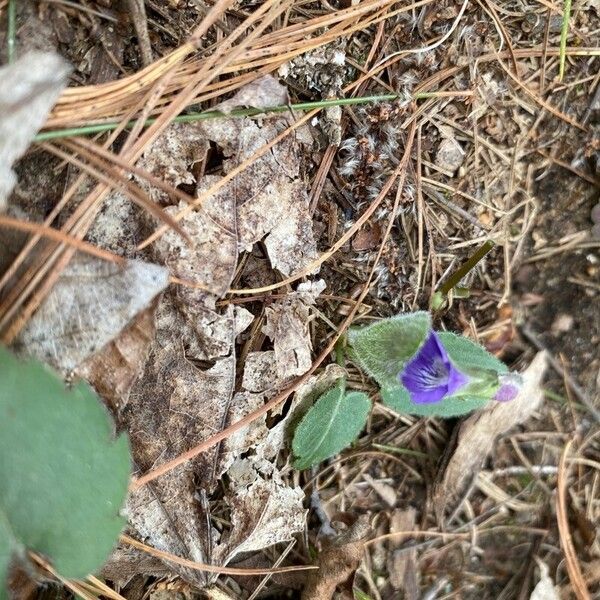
{"x":333,"y":423}
{"x":382,"y":349}
{"x":469,"y":357}
{"x":63,"y":478}
{"x":398,"y":399}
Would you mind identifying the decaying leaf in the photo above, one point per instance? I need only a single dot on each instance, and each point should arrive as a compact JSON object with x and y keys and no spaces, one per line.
{"x":287,"y":325}
{"x":402,"y":565}
{"x":263,"y":513}
{"x":212,"y":259}
{"x":271,"y":199}
{"x":173,"y":405}
{"x":181,"y":385}
{"x":89,"y":305}
{"x":28,"y":89}
{"x":115,"y":368}
{"x":171,"y":158}
{"x":475,"y":437}
{"x":338,"y":562}
{"x":264,"y":92}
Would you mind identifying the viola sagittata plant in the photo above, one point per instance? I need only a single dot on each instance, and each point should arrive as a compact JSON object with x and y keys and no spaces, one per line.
{"x":426,"y":372}
{"x":420,"y":371}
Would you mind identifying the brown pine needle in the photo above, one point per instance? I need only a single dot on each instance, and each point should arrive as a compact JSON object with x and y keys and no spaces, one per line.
{"x":197,"y":566}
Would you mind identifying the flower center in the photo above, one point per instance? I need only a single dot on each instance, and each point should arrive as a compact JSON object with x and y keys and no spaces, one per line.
{"x":435,"y":373}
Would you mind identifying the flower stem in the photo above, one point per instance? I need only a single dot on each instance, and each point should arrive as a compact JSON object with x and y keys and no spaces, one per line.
{"x":11,"y":33}
{"x":466,"y":267}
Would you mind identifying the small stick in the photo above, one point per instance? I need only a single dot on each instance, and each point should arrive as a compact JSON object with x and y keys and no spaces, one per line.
{"x":140,"y":24}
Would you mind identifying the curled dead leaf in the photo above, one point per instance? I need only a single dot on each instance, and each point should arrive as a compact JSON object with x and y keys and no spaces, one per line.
{"x":263,"y":92}
{"x":338,"y":562}
{"x":89,"y":305}
{"x":29,"y":87}
{"x":475,"y":437}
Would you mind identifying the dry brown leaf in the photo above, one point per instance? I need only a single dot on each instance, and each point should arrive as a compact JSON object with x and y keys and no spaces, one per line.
{"x":114,"y":369}
{"x":263,"y":92}
{"x":89,"y":305}
{"x":28,"y":90}
{"x":263,"y":512}
{"x":476,"y":435}
{"x":338,"y":562}
{"x":212,"y":259}
{"x":287,"y":326}
{"x":185,"y":389}
{"x":173,"y":406}
{"x":171,"y":157}
{"x":402,"y":565}
{"x":272,"y":200}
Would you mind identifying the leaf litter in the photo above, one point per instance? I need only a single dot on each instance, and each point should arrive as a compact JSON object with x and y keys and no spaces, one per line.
{"x":167,"y":367}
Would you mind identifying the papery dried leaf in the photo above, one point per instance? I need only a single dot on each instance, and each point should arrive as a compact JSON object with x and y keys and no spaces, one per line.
{"x":212,"y":259}
{"x":287,"y":326}
{"x":28,"y":89}
{"x":272,"y":200}
{"x":171,"y":158}
{"x":89,"y":305}
{"x":264,"y":511}
{"x":263,"y":92}
{"x":476,"y":435}
{"x":113,"y":370}
{"x":338,"y":562}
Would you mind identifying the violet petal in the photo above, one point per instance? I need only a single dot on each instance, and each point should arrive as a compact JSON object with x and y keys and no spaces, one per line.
{"x":430,"y":375}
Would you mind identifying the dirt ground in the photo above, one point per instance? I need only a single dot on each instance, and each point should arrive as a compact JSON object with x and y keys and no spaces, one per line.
{"x":496,"y":147}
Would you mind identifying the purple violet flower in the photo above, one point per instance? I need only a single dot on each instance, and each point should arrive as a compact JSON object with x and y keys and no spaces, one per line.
{"x":430,"y":375}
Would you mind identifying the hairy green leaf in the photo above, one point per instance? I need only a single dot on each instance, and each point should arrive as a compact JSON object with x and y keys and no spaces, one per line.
{"x":63,"y":478}
{"x":469,"y":356}
{"x":382,"y":349}
{"x":332,"y":423}
{"x":398,"y":399}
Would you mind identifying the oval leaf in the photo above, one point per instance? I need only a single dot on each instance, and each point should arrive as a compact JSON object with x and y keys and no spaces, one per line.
{"x":382,"y":349}
{"x":333,"y":423}
{"x":63,"y":478}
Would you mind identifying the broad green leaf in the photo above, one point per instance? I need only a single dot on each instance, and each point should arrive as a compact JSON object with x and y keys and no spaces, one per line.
{"x":333,"y":423}
{"x":382,"y":349}
{"x":63,"y":478}
{"x":469,"y":357}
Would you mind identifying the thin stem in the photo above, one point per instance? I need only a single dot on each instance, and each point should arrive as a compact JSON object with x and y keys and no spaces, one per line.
{"x":340,"y":352}
{"x":467,"y":266}
{"x":564,"y":33}
{"x":11,"y":30}
{"x":215,"y":114}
